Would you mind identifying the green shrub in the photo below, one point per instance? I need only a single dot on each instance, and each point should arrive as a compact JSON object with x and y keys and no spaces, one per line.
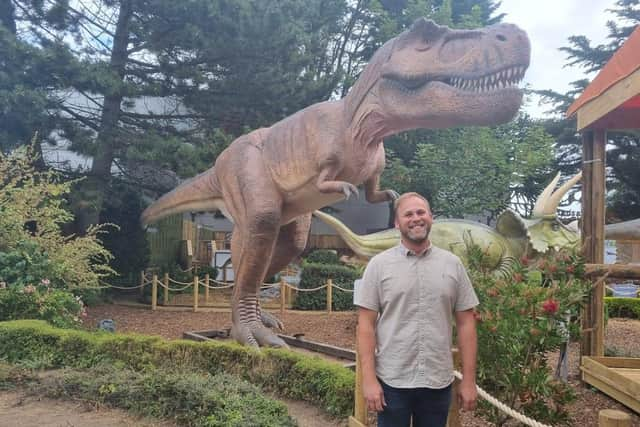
{"x":520,"y":323}
{"x":59,"y":308}
{"x":315,"y":275}
{"x":323,"y":256}
{"x":622,"y":307}
{"x":190,"y":398}
{"x":288,"y":374}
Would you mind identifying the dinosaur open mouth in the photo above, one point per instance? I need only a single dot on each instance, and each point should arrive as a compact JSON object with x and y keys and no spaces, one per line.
{"x":503,"y":79}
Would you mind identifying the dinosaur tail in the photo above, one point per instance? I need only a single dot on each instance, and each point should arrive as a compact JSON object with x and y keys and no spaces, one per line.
{"x":198,"y":194}
{"x":365,"y":246}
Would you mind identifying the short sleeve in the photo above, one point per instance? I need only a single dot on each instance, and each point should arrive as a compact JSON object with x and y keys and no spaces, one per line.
{"x":366,"y":294}
{"x":466,"y":298}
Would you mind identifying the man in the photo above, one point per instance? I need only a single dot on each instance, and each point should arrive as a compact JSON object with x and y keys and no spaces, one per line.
{"x":406,"y":302}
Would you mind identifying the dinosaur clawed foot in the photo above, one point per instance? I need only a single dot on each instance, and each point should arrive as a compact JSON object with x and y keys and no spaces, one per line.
{"x":255,"y":334}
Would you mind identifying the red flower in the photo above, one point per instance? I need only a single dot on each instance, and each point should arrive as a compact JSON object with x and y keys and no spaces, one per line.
{"x":517,"y":277}
{"x":550,"y":306}
{"x":570,"y":269}
{"x":524,"y":260}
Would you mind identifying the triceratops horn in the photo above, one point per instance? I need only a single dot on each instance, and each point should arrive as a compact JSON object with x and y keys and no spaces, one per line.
{"x":548,"y":203}
{"x":541,"y":203}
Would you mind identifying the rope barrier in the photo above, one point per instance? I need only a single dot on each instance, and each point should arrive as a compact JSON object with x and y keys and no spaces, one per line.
{"x":504,"y":408}
{"x":224,"y":286}
{"x":179,"y":283}
{"x":342,"y":289}
{"x":174,"y":289}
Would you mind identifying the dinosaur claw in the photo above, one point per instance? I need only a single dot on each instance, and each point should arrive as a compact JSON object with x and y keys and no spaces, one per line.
{"x":393,"y":195}
{"x":271,"y":321}
{"x":349,"y":189}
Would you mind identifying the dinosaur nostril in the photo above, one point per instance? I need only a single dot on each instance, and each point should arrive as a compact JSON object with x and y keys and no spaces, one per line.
{"x":501,"y":38}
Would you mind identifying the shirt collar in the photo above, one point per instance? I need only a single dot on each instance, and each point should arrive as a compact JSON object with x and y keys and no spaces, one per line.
{"x":409,"y":253}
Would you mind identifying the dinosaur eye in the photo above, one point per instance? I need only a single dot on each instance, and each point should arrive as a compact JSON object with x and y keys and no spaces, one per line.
{"x":555,"y":226}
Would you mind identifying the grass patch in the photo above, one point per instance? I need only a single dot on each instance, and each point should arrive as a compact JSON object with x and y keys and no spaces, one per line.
{"x":189,"y":398}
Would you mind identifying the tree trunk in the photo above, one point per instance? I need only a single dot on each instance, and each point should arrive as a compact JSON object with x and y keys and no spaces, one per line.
{"x":91,"y":192}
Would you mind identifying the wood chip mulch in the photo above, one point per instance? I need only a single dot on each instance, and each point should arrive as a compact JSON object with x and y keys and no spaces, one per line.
{"x":622,"y":336}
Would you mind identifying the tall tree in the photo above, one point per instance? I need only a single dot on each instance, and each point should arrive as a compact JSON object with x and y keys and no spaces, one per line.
{"x":623,"y":180}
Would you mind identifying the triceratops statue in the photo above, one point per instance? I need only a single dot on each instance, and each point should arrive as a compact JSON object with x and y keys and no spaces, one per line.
{"x":512,"y":238}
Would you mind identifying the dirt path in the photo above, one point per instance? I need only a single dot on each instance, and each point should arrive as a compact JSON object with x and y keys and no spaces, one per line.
{"x":19,"y":410}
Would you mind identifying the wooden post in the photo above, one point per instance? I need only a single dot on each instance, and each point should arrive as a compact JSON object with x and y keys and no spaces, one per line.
{"x":453,"y":419}
{"x":360,"y":405}
{"x":206,"y":288}
{"x":283,"y":295}
{"x":154,"y":292}
{"x":165,"y":300}
{"x":195,"y":293}
{"x":613,"y":418}
{"x":329,"y":295}
{"x":593,"y":206}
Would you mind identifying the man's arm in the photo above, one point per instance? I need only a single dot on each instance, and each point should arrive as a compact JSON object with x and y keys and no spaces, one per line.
{"x":468,"y":346}
{"x":371,"y":388}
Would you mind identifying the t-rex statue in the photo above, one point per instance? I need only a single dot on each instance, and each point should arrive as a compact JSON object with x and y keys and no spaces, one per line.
{"x":269,"y":181}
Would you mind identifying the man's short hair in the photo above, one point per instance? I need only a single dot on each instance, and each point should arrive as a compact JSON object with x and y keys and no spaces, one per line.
{"x":405,"y":196}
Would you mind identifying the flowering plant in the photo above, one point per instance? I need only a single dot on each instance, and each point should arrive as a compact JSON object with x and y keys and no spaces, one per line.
{"x":523,"y":316}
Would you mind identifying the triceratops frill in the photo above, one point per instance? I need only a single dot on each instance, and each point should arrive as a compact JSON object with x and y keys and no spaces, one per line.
{"x":512,"y":238}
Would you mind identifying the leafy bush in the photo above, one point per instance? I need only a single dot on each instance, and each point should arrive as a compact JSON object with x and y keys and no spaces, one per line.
{"x":315,"y":275}
{"x":59,"y":308}
{"x":323,"y":256}
{"x":281,"y":371}
{"x":190,"y":398}
{"x":32,"y":211}
{"x":522,"y":318}
{"x":623,"y":307}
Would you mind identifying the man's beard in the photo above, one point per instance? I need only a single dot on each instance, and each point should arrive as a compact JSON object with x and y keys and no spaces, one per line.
{"x":416,"y":235}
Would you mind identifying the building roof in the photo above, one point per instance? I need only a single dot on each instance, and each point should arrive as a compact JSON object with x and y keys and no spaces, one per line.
{"x":613,"y":97}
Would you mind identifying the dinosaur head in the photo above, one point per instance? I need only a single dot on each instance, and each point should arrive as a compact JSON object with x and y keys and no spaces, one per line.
{"x":543,"y":231}
{"x":432,"y":77}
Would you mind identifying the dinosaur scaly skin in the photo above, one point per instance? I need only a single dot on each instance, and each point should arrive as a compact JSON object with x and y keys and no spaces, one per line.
{"x":269,"y":181}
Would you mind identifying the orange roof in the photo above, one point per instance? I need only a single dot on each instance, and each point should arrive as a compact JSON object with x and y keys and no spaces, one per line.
{"x":625,"y":61}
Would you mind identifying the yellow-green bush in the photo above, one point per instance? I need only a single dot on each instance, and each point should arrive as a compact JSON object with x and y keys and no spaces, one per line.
{"x":284,"y":372}
{"x":623,"y":307}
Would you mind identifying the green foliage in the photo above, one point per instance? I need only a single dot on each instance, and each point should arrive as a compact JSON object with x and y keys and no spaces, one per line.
{"x":315,"y":275}
{"x":622,"y":307}
{"x":323,"y":256}
{"x":523,"y":317}
{"x":128,"y":244}
{"x":623,"y":149}
{"x":32,"y":212}
{"x":286,"y":373}
{"x":190,"y":398}
{"x":59,"y":308}
{"x":466,"y":171}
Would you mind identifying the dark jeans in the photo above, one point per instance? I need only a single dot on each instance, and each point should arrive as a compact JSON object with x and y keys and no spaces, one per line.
{"x":429,"y":407}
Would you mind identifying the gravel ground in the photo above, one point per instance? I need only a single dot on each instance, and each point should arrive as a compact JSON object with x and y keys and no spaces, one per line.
{"x":622,"y":337}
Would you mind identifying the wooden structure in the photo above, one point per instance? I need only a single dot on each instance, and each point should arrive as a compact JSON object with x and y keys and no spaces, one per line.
{"x":610,"y":102}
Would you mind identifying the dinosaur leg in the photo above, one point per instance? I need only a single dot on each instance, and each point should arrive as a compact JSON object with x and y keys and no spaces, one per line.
{"x":255,"y":204}
{"x":291,"y":242}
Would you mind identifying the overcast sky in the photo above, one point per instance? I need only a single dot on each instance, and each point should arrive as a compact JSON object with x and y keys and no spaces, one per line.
{"x":549,"y":23}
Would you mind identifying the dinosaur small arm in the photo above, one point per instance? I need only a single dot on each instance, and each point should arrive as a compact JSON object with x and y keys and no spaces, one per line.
{"x":269,"y":181}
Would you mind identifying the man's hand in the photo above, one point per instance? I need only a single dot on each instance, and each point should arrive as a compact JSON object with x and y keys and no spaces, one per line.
{"x":373,"y":394}
{"x":467,"y":395}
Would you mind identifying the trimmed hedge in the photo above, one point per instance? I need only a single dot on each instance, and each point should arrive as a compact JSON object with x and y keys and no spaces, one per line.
{"x":315,"y":275}
{"x":623,"y":307}
{"x":284,"y":372}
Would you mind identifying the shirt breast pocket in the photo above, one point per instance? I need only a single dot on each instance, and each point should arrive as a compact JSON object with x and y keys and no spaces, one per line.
{"x":400,"y":294}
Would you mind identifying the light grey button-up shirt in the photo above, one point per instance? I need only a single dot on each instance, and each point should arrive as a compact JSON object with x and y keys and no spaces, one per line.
{"x":415,"y":297}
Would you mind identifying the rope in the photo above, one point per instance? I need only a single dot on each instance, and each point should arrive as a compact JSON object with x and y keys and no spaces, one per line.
{"x":307,"y":290}
{"x":179,"y":283}
{"x":173,"y":289}
{"x":225,"y":286}
{"x":342,"y":289}
{"x":504,"y":408}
